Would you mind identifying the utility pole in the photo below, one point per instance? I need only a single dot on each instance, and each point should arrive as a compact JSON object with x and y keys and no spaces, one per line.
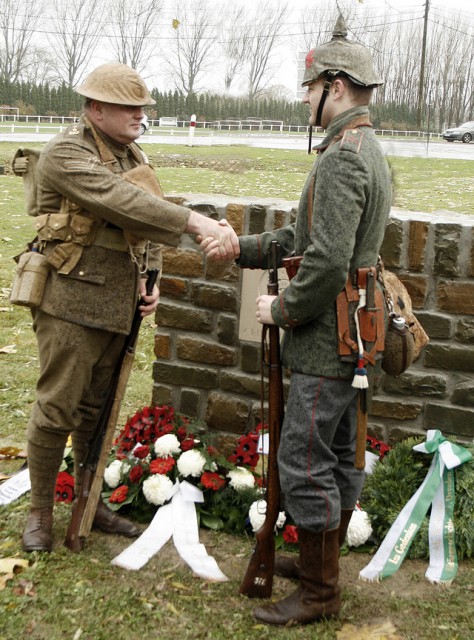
{"x":422,"y":65}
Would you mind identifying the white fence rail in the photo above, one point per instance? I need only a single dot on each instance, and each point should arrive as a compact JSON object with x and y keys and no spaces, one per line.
{"x":45,"y":124}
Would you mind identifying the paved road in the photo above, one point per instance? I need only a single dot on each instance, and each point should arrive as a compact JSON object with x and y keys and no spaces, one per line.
{"x":406,"y":148}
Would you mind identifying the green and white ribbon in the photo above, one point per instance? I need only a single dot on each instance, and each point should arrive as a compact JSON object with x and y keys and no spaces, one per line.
{"x":437,"y":490}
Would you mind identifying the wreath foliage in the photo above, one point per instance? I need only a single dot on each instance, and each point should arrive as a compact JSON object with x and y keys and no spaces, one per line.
{"x":395,"y":479}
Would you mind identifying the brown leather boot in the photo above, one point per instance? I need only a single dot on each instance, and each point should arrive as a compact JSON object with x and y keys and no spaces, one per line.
{"x":318,"y":595}
{"x":289,"y":566}
{"x":38,"y":532}
{"x":346,"y":515}
{"x":109,"y":522}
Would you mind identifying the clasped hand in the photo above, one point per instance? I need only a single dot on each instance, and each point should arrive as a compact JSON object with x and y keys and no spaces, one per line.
{"x":221,"y":243}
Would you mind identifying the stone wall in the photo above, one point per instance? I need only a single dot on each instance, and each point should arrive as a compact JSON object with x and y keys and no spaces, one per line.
{"x":205,"y":370}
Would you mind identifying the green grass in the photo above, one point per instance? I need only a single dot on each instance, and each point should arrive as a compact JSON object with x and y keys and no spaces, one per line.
{"x":63,"y":595}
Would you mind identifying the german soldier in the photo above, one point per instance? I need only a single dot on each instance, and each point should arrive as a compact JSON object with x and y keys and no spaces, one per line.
{"x":342,"y":214}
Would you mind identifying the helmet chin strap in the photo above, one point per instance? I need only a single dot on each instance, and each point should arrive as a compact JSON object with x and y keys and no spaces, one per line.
{"x":319,"y":114}
{"x":324,"y":95}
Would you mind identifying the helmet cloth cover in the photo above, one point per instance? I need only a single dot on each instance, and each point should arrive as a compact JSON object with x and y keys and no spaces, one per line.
{"x":340,"y":56}
{"x":116,"y":83}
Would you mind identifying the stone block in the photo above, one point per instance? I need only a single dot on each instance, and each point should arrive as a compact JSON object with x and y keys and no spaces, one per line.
{"x":162,"y":346}
{"x":257,"y":218}
{"x":220,"y":297}
{"x":205,"y":352}
{"x":464,"y":393}
{"x":227,"y":329}
{"x":436,"y":325}
{"x":417,"y":287}
{"x":161,"y":395}
{"x":389,"y":408}
{"x":400,"y":433}
{"x":225,"y":271}
{"x":449,"y":357}
{"x":225,"y":413}
{"x":416,"y":384}
{"x":184,"y":263}
{"x":251,"y":357}
{"x":465,"y":332}
{"x":391,"y":249}
{"x":240,"y":383}
{"x":189,"y":402}
{"x":447,"y":242}
{"x":456,"y":297}
{"x":450,"y":420}
{"x":182,"y":317}
{"x":235,"y":215}
{"x":185,"y":376}
{"x":470,"y":269}
{"x":279,"y":219}
{"x":418,"y":234}
{"x":174,"y":287}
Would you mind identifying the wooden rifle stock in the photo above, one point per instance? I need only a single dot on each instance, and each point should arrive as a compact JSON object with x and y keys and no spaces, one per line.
{"x":85,"y":504}
{"x":258,"y":580}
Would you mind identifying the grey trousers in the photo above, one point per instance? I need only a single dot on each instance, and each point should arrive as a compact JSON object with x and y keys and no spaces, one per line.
{"x":317,"y":450}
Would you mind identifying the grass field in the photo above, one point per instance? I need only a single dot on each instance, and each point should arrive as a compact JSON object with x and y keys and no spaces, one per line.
{"x":68,"y":596}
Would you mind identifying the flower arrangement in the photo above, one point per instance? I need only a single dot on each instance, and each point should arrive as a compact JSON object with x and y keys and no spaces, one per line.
{"x":157,"y":448}
{"x":394,"y":480}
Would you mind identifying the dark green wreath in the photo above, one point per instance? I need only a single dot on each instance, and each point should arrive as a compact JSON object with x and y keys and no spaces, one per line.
{"x":395,"y":479}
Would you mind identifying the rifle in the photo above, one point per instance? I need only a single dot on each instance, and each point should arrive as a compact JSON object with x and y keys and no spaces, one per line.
{"x":258,"y":580}
{"x":85,"y":504}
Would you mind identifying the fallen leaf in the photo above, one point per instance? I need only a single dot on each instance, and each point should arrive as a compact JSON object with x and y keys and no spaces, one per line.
{"x":25,"y":588}
{"x":8,"y":568}
{"x":12,"y":452}
{"x":384,"y":631}
{"x":9,"y":348}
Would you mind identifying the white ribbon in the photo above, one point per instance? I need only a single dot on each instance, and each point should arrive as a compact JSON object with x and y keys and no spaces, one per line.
{"x":178,"y":519}
{"x":437,"y":491}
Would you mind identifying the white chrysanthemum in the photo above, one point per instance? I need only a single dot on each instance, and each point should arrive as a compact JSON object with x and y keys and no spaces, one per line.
{"x":257,"y":513}
{"x":112,"y":474}
{"x":167,"y":445}
{"x":191,"y":463}
{"x":359,"y":530}
{"x":157,"y":489}
{"x":241,"y":478}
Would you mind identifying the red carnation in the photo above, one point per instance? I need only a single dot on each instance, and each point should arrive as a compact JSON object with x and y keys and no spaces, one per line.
{"x":136,"y":473}
{"x":119,"y":494}
{"x":309,"y":59}
{"x":64,"y":487}
{"x":188,"y":444}
{"x":212,"y":480}
{"x":142,"y":452}
{"x":162,"y":465}
{"x":290,"y":534}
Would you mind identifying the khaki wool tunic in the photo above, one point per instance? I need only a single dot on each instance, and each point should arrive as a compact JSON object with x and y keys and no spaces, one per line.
{"x":101,"y":290}
{"x":351,"y":185}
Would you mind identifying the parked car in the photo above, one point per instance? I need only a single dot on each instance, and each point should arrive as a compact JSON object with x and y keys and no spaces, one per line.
{"x":465,"y":132}
{"x":145,"y":125}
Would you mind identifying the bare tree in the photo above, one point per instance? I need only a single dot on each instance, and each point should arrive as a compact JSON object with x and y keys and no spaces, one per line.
{"x":264,"y":32}
{"x":18,"y":21}
{"x":131,"y":30}
{"x":234,"y":41}
{"x":74,"y":38}
{"x":190,"y":53}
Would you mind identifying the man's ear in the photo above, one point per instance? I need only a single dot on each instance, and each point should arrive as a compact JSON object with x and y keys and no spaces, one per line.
{"x":338,"y":87}
{"x":96,"y":109}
